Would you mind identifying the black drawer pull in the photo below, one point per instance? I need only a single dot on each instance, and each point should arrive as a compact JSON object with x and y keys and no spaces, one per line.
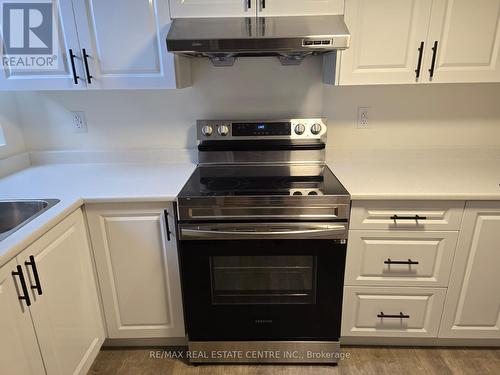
{"x":409,"y":261}
{"x":167,"y":227}
{"x":416,"y":217}
{"x":86,"y":63}
{"x":25,"y":295}
{"x":419,"y":63}
{"x":400,"y":316}
{"x":433,"y":63}
{"x":38,"y":285}
{"x":73,"y":69}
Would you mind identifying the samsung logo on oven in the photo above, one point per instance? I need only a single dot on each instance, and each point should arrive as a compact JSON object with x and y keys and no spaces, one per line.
{"x":263,"y":321}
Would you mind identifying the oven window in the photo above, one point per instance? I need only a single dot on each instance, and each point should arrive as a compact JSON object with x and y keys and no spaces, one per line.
{"x":263,"y":279}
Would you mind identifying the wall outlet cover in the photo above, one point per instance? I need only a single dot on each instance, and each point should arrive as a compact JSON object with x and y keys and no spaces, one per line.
{"x":363,"y":117}
{"x":79,"y":122}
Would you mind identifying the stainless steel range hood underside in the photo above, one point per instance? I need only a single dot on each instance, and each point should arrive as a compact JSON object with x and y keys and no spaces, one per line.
{"x":289,"y":38}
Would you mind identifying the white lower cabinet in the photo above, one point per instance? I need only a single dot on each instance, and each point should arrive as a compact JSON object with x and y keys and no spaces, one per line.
{"x":392,"y":312}
{"x":472,"y":308}
{"x":442,"y":284}
{"x":19,"y":352}
{"x":137,"y":265}
{"x":63,"y":326}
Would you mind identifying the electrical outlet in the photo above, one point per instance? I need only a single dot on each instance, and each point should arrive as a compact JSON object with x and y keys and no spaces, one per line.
{"x":363,"y":117}
{"x":79,"y":122}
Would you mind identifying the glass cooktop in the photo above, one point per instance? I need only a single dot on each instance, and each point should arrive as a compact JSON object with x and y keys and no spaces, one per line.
{"x":240,"y":180}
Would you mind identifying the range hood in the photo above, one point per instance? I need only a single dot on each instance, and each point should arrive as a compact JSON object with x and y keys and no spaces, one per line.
{"x":289,"y":38}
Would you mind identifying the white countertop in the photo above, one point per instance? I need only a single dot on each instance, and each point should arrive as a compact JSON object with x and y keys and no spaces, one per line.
{"x":76,"y":184}
{"x":424,"y":174}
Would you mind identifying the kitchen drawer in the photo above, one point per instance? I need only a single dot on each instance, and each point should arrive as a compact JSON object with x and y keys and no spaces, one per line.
{"x":407,"y":215}
{"x":421,"y":309}
{"x":377,"y":258}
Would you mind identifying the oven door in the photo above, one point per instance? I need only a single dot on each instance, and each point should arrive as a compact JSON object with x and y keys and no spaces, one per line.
{"x":267,"y":281}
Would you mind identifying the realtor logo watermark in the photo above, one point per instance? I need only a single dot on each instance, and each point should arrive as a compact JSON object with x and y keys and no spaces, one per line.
{"x":29,"y":36}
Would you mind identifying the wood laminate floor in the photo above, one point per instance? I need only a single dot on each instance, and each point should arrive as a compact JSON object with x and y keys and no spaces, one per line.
{"x":363,"y":360}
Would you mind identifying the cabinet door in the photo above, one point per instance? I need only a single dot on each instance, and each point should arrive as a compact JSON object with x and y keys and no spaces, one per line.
{"x":472,"y":308}
{"x":19,"y":353}
{"x":386,"y":36}
{"x":468,"y":37}
{"x":61,"y":77}
{"x":138,"y":269}
{"x":299,"y":7}
{"x":212,"y":8}
{"x":121,"y":54}
{"x":66,"y":316}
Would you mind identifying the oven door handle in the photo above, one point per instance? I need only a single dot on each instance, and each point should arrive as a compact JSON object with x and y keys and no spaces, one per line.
{"x":332,"y":231}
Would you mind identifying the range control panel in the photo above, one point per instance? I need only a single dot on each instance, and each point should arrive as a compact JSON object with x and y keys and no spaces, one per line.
{"x":268,"y":129}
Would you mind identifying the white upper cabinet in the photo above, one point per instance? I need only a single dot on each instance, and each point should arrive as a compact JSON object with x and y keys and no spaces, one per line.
{"x":212,"y":8}
{"x":299,"y":7}
{"x":251,"y":8}
{"x":105,"y":44}
{"x":472,"y":308}
{"x":386,"y":40}
{"x":460,"y":41}
{"x":124,"y":54}
{"x":467,"y":36}
{"x":60,"y":75}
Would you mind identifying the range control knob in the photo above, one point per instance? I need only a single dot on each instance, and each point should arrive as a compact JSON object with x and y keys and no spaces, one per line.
{"x":316,"y":129}
{"x":300,"y":129}
{"x":297,"y":193}
{"x":207,"y":130}
{"x":223,"y":130}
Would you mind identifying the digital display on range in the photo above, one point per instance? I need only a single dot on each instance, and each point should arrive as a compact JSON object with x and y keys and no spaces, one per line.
{"x":252,"y":129}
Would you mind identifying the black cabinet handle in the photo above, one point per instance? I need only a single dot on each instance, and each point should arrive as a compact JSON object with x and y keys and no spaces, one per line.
{"x":416,"y":217}
{"x":86,"y":62}
{"x":419,"y":63}
{"x":433,"y":64}
{"x":400,"y":316}
{"x":38,"y":285}
{"x":167,"y":226}
{"x":249,"y":4}
{"x":72,"y":60}
{"x":263,"y":4}
{"x":25,"y":295}
{"x":409,"y":261}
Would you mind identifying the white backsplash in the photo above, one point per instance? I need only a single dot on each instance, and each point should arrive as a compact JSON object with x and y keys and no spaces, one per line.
{"x":9,"y":121}
{"x":408,"y":116}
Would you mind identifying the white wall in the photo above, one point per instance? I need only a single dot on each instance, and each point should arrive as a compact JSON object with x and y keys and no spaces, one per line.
{"x":166,"y":119}
{"x":412,"y":116}
{"x":9,"y":120}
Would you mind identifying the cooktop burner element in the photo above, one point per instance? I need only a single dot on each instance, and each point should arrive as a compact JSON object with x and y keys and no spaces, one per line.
{"x":262,"y":180}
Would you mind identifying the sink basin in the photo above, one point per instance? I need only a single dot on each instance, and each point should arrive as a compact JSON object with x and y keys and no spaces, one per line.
{"x":16,"y":213}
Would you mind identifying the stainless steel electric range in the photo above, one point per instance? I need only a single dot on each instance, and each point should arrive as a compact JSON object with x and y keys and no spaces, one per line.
{"x":262,"y":240}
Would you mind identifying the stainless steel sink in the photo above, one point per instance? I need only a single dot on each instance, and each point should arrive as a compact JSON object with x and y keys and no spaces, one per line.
{"x":16,"y":213}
